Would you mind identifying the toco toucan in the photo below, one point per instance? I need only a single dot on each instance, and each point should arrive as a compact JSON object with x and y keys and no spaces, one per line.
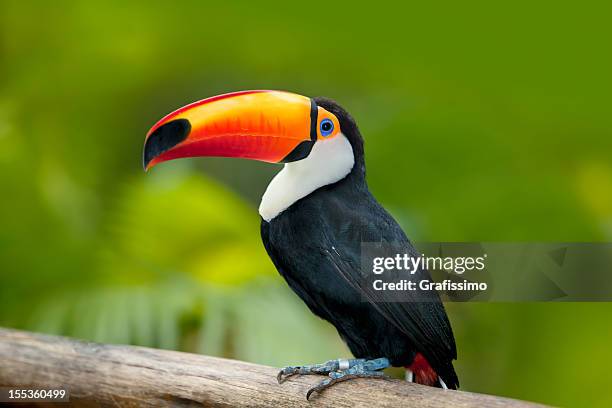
{"x":315,"y":213}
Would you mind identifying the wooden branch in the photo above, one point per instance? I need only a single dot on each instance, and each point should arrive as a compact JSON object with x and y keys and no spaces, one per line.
{"x":128,"y":376}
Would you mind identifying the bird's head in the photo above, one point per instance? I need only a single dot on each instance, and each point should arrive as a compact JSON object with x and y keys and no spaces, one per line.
{"x":315,"y":137}
{"x":270,"y":126}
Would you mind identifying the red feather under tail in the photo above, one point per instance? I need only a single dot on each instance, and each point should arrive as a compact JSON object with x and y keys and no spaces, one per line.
{"x":423,"y":373}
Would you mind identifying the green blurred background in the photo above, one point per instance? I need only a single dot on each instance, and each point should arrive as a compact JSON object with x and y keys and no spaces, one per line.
{"x":483,"y":122}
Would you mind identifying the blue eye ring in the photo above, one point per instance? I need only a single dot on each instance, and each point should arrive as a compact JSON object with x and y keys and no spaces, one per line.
{"x":326,"y":127}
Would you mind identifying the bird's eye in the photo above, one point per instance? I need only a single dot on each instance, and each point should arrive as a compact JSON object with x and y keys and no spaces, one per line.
{"x":327,"y":127}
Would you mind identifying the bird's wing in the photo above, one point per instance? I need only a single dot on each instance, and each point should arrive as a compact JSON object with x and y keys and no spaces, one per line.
{"x":424,"y":322}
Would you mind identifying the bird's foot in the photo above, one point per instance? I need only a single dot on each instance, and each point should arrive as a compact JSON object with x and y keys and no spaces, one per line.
{"x":314,"y":369}
{"x":337,"y":371}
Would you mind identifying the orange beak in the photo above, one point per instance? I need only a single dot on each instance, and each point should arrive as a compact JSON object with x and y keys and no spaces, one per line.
{"x":270,"y":126}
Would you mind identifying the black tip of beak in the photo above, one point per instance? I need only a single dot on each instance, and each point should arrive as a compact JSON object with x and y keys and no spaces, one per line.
{"x":165,"y":138}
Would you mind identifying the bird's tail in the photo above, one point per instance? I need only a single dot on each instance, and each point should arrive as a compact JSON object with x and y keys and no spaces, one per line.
{"x":421,"y":372}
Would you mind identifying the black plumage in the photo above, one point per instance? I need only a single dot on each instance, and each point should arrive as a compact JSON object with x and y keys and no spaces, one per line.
{"x":315,"y":245}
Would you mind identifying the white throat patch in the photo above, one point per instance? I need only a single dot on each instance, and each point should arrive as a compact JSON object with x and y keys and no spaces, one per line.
{"x":329,"y":161}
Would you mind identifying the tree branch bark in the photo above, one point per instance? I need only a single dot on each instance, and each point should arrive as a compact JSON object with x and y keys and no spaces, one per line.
{"x":126,"y":376}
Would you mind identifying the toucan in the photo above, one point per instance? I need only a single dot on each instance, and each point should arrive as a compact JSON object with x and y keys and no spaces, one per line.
{"x":314,"y":215}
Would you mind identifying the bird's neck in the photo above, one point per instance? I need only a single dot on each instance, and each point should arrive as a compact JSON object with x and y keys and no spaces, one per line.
{"x":329,"y":162}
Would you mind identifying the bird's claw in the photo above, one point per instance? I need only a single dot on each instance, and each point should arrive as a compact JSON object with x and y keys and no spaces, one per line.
{"x":315,"y":369}
{"x":287,"y":372}
{"x":339,"y":376}
{"x":337,"y":370}
{"x":320,"y":387}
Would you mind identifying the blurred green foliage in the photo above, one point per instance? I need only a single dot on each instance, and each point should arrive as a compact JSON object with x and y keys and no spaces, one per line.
{"x":484,"y":121}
